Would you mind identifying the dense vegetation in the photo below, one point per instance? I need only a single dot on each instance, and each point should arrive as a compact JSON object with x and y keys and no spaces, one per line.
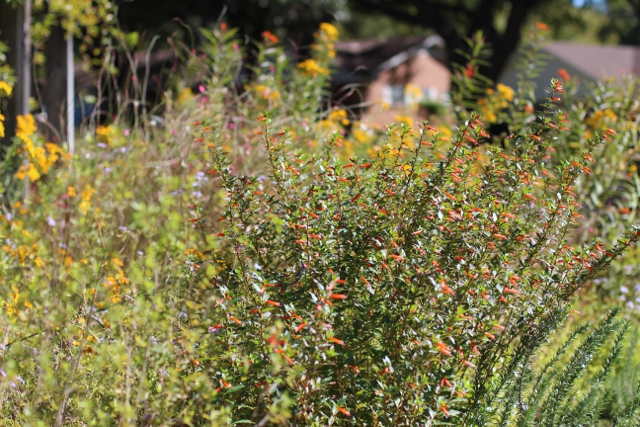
{"x":253,"y":257}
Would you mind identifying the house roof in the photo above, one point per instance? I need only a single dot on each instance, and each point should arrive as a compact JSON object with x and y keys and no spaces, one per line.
{"x":364,"y":59}
{"x":597,"y":61}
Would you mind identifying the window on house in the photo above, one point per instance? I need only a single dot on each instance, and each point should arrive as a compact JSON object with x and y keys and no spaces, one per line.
{"x":393,"y":94}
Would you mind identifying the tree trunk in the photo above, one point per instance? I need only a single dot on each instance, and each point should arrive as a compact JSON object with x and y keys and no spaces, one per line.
{"x":15,"y":23}
{"x":54,"y":92}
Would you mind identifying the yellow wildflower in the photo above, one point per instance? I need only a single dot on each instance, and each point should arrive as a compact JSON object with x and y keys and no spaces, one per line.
{"x":33,"y":172}
{"x":4,"y":86}
{"x":87,"y":192}
{"x":30,"y":147}
{"x":194,"y":253}
{"x":12,"y":307}
{"x":40,"y":156}
{"x":407,"y":120}
{"x":26,"y":126}
{"x":310,"y":67}
{"x":268,"y":93}
{"x":185,"y":96}
{"x":84,"y":207}
{"x":339,"y":116}
{"x":85,"y":204}
{"x":71,"y":191}
{"x":15,"y":295}
{"x":600,"y":118}
{"x":505,"y":91}
{"x":122,"y":279}
{"x":362,"y":134}
{"x":54,"y":152}
{"x":105,"y":134}
{"x":330,"y":31}
{"x":21,"y":173}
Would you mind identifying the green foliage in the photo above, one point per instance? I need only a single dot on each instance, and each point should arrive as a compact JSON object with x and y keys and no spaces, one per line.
{"x":565,"y":390}
{"x":469,"y":84}
{"x":233,"y":262}
{"x":358,"y":274}
{"x":88,"y":20}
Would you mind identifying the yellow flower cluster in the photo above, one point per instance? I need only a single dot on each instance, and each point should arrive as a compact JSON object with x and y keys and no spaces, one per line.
{"x":325,"y":39}
{"x":386,"y":152}
{"x":12,"y":304}
{"x":20,"y":253}
{"x":362,"y":134}
{"x":268,"y":94}
{"x":598,"y":121}
{"x":601,"y":119}
{"x":339,"y":116}
{"x":85,"y":203}
{"x":184,"y":97}
{"x":114,"y":283}
{"x":310,"y":67}
{"x":495,"y":101}
{"x":406,"y":120}
{"x":6,"y":89}
{"x":505,"y":92}
{"x":194,"y":253}
{"x":39,"y":159}
{"x":329,"y":31}
{"x":105,"y":133}
{"x":335,"y":122}
{"x":323,"y":49}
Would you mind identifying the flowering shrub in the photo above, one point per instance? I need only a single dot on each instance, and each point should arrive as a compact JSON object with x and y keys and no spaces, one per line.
{"x":387,"y":280}
{"x":39,"y":159}
{"x":233,"y":261}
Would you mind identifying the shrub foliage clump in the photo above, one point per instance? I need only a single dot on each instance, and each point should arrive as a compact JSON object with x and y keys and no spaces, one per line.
{"x":390,"y":284}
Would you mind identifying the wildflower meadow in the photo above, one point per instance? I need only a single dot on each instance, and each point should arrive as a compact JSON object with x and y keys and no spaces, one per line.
{"x":252,"y":254}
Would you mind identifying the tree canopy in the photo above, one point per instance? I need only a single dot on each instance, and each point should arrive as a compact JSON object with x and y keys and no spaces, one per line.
{"x":458,"y":20}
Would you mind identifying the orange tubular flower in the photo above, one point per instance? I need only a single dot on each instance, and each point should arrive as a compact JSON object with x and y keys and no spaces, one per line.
{"x":270,"y":37}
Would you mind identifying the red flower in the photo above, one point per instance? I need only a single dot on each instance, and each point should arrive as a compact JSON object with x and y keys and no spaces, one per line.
{"x":564,"y":74}
{"x":470,"y":71}
{"x":269,"y":36}
{"x":542,"y":26}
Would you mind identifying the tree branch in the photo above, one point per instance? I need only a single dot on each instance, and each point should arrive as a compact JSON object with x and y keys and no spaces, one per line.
{"x":437,"y":15}
{"x":503,"y":45}
{"x":429,"y":14}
